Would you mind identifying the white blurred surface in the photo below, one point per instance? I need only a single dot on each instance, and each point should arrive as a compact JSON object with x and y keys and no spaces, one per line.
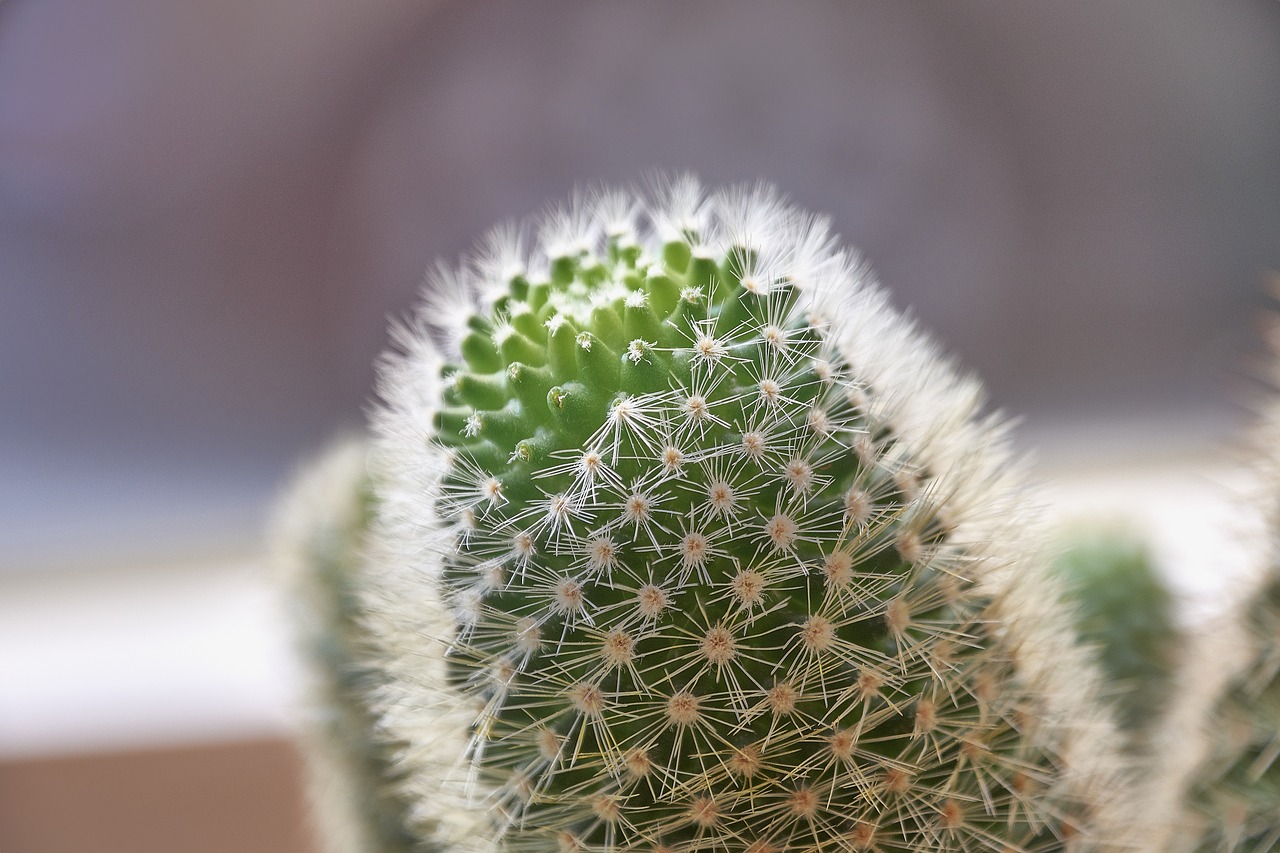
{"x":209,"y":209}
{"x":109,"y":660}
{"x":199,"y":651}
{"x":1187,"y":515}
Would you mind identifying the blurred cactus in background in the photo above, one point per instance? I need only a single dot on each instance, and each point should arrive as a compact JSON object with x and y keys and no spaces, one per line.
{"x":1125,"y":611}
{"x":1234,"y":795}
{"x":690,"y":541}
{"x":1216,"y":786}
{"x":319,"y":540}
{"x":1219,"y":788}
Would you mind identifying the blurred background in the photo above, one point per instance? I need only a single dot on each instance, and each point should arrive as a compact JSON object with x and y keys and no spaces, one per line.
{"x":209,"y":211}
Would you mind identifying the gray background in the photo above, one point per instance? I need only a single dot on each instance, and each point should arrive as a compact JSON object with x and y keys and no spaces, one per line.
{"x":209,"y":210}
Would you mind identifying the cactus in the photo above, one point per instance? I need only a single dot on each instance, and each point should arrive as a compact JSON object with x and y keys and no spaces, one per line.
{"x":690,"y":541}
{"x":318,"y":539}
{"x":1220,"y":787}
{"x":1237,"y":791}
{"x":1125,"y":611}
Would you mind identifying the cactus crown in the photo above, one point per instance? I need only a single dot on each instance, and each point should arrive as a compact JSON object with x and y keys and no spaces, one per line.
{"x":699,"y":527}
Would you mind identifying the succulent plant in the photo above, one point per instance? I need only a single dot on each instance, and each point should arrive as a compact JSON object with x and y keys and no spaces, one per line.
{"x":1236,"y":792}
{"x":690,"y":541}
{"x":1219,"y":788}
{"x":1125,"y":611}
{"x":1218,"y":785}
{"x":319,"y":537}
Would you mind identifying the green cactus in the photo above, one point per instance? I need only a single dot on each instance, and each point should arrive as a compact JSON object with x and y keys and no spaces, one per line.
{"x":1227,"y":777}
{"x":318,"y":538}
{"x":1218,"y":788}
{"x":1125,"y":611}
{"x":703,"y":546}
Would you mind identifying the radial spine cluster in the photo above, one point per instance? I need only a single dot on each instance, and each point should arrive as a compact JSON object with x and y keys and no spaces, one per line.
{"x":710,"y":527}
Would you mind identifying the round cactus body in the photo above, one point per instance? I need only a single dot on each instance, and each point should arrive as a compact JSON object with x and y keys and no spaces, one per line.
{"x":1232,"y":796}
{"x":1218,"y":786}
{"x":714,"y":530}
{"x":1126,"y":612}
{"x":319,"y":539}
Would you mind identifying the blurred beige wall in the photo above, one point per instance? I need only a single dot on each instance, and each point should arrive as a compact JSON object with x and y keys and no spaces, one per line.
{"x":242,"y":797}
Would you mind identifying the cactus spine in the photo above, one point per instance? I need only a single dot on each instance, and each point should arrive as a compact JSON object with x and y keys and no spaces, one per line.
{"x":701,"y":545}
{"x":319,"y":538}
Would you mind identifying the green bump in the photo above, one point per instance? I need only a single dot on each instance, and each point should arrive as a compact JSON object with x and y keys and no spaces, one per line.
{"x":644,"y":368}
{"x":563,"y":270}
{"x":606,"y":324}
{"x":480,"y":353}
{"x":516,"y":346}
{"x":453,"y":424}
{"x":639,"y":319}
{"x":575,"y":410}
{"x":530,"y":384}
{"x":704,"y":273}
{"x":538,"y":294}
{"x":483,"y":391}
{"x":526,"y":323}
{"x":676,"y":255}
{"x":505,"y":426}
{"x":598,"y":363}
{"x":562,"y":348}
{"x":663,"y":291}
